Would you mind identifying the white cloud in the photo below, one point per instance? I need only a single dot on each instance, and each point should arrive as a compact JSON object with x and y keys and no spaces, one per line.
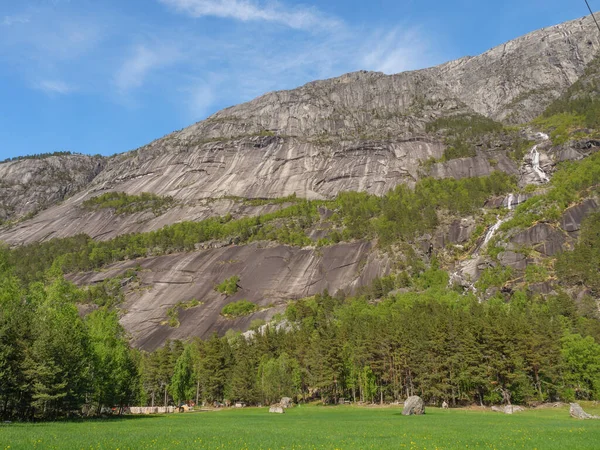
{"x":201,"y":99}
{"x":247,"y":10}
{"x":54,"y":87}
{"x":12,"y":20}
{"x":144,"y":59}
{"x":396,"y":51}
{"x":134,"y":70}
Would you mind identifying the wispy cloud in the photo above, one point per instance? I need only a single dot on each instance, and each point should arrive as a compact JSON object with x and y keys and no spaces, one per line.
{"x":246,"y":10}
{"x":396,"y":50}
{"x":143,"y":59}
{"x":167,"y":59}
{"x":13,"y":20}
{"x":201,"y":99}
{"x":54,"y":87}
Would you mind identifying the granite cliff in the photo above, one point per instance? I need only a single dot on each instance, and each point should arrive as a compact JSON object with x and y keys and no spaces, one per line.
{"x":363,"y":131}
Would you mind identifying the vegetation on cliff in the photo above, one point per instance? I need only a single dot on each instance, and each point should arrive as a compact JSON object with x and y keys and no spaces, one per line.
{"x":401,"y":214}
{"x":123,"y":203}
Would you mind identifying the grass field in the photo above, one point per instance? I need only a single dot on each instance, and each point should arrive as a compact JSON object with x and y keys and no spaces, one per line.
{"x":308,"y":427}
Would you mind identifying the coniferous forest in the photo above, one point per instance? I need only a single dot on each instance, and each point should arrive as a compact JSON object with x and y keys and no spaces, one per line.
{"x":405,"y":334}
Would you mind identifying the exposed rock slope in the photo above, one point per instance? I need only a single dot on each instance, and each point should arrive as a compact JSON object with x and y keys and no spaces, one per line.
{"x":363,"y":131}
{"x":269,"y":277}
{"x":516,"y":81}
{"x":30,"y":185}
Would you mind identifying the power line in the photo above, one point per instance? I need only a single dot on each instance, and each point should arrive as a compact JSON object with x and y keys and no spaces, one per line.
{"x":592,"y":13}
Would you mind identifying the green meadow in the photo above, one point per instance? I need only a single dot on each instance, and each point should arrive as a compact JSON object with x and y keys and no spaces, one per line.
{"x":313,"y":427}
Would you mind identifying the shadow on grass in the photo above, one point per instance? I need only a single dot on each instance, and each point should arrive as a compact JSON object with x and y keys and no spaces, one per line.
{"x":105,"y":419}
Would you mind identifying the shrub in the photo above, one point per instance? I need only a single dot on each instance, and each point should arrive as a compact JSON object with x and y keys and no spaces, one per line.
{"x":123,"y":203}
{"x":238,"y":309}
{"x":229,"y":286}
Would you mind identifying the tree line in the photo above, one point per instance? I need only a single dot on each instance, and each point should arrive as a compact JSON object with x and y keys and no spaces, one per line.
{"x":379,"y":346}
{"x":53,"y":362}
{"x":436,"y":343}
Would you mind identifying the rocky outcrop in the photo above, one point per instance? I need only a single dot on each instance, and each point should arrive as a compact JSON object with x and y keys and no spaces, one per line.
{"x":458,"y":232}
{"x":413,"y":406}
{"x":70,"y":218}
{"x":269,"y":277}
{"x":542,"y":237}
{"x":573,"y":217}
{"x":515,"y":260}
{"x":363,"y":131}
{"x":574,"y":151}
{"x":276,"y":409}
{"x":577,"y":412}
{"x":508,"y":409}
{"x":30,"y":185}
{"x":516,"y":81}
{"x":479,"y":166}
{"x":259,"y":167}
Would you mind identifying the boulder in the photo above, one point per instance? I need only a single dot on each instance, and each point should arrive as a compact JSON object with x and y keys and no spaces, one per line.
{"x":413,"y":406}
{"x":511,"y":259}
{"x":508,"y":409}
{"x":286,"y":402}
{"x":276,"y":409}
{"x":458,"y":232}
{"x":572,"y":217}
{"x":545,"y":287}
{"x":543,"y":237}
{"x":577,"y":412}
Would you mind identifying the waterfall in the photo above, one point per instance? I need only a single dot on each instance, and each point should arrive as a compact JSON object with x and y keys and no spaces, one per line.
{"x":490,"y":234}
{"x":510,"y":201}
{"x":535,"y":160}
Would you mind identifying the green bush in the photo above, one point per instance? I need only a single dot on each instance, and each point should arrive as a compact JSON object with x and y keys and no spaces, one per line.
{"x":228,"y":286}
{"x":238,"y":309}
{"x":536,"y":274}
{"x":462,"y":132}
{"x":123,"y":203}
{"x":494,"y":277}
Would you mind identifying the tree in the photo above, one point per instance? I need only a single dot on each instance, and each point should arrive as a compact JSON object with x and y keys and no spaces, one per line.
{"x":59,"y":360}
{"x":214,"y":368}
{"x":114,"y":373}
{"x":183,"y":383}
{"x":15,"y":338}
{"x":243,"y":376}
{"x":581,"y":366}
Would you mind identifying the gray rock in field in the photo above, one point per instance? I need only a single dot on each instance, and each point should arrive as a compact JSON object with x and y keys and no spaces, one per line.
{"x":286,"y":402}
{"x":508,"y":409}
{"x":413,"y":406}
{"x":577,"y":412}
{"x":277,"y":409}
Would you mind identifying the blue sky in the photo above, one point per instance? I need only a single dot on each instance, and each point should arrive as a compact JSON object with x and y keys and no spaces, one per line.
{"x":107,"y":76}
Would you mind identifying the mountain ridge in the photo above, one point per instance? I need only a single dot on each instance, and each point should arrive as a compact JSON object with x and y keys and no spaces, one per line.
{"x":371,"y":152}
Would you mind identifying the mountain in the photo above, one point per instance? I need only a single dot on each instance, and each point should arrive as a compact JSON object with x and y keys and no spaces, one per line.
{"x":222,"y":198}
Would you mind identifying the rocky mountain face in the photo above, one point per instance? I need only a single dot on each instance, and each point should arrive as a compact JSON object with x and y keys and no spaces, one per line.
{"x":362,"y":131}
{"x":269,"y":276}
{"x":30,"y":185}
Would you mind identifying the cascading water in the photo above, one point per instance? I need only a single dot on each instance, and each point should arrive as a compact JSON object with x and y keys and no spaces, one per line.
{"x":490,"y":234}
{"x":535,"y":160}
{"x":458,"y":277}
{"x":492,"y":231}
{"x":509,"y":203}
